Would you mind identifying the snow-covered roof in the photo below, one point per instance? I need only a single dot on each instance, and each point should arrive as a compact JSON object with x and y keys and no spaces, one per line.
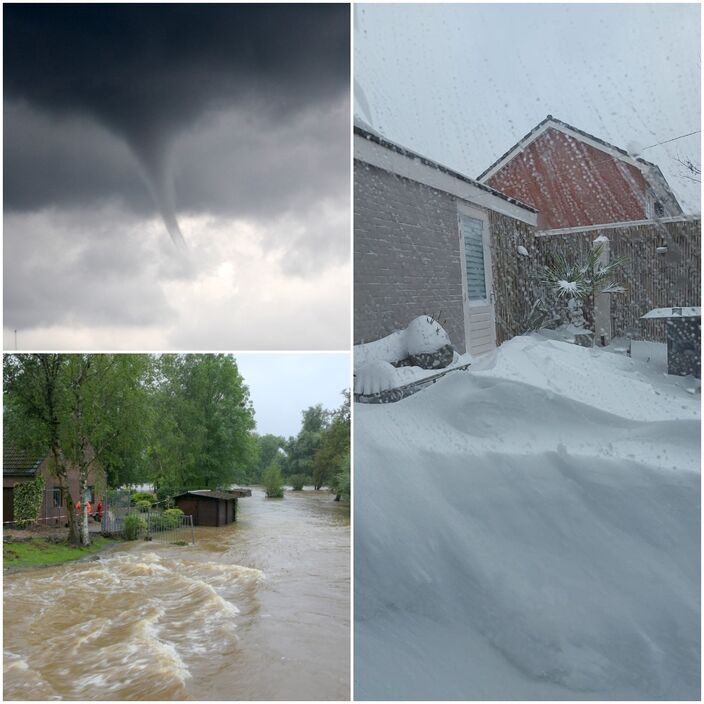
{"x":375,"y":149}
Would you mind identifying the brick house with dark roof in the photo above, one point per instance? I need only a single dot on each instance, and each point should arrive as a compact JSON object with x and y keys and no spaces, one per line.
{"x":19,"y":467}
{"x":575,"y":179}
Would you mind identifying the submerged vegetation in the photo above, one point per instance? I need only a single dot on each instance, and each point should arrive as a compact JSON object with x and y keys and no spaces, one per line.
{"x":298,"y":481}
{"x":273,"y":481}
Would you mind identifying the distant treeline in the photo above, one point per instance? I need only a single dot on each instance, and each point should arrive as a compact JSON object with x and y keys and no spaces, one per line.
{"x":319,"y":455}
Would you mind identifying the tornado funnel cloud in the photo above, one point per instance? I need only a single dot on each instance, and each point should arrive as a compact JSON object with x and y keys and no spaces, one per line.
{"x":163,"y":195}
{"x":158,"y":174}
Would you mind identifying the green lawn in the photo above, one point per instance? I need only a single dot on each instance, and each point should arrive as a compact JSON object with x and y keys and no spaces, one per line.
{"x":39,"y":552}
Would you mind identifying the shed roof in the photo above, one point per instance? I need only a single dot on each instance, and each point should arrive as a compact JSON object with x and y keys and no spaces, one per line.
{"x":18,"y":463}
{"x":214,"y":494}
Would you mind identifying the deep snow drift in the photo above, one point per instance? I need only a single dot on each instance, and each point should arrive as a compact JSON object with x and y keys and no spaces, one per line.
{"x":530,"y":531}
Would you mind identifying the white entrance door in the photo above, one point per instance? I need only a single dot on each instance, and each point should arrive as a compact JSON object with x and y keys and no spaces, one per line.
{"x":479,"y":321}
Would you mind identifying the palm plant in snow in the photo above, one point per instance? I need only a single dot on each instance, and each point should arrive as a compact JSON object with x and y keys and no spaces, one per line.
{"x":577,"y":281}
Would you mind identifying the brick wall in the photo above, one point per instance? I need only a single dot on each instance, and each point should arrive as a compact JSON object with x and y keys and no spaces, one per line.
{"x":513,"y":273}
{"x":406,"y":255}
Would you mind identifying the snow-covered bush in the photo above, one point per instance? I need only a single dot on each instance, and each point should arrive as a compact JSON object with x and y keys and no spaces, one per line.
{"x":576,"y":281}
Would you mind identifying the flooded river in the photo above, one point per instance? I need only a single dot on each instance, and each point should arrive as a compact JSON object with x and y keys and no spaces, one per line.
{"x":255,"y":610}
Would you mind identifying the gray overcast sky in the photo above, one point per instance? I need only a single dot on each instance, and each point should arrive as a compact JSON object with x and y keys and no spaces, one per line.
{"x":225,"y":125}
{"x":283,"y":385}
{"x":462,"y":83}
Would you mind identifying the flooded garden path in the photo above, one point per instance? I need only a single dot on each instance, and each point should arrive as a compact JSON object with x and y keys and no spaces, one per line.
{"x":255,"y":610}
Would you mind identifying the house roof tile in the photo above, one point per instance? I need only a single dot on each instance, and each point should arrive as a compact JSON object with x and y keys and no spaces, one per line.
{"x":18,"y":463}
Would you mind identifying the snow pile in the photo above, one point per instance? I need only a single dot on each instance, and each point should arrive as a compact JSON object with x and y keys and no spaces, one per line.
{"x":374,"y":361}
{"x":530,"y":531}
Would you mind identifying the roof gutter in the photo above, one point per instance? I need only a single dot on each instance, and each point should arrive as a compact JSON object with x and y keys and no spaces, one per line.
{"x":616,"y":225}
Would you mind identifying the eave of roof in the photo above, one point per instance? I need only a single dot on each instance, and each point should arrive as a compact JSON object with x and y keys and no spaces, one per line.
{"x":403,"y":151}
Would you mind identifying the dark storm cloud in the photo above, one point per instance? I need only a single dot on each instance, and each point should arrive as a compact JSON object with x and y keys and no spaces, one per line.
{"x":228,"y":164}
{"x":149,"y":72}
{"x":66,"y":162}
{"x":146,"y":69}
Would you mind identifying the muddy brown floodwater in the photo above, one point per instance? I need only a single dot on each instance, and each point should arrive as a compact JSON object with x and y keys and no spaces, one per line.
{"x":256,"y":610}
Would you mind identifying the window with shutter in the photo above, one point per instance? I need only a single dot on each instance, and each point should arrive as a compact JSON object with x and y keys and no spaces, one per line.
{"x":474,"y":257}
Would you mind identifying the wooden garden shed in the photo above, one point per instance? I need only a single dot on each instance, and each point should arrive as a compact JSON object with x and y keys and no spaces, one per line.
{"x":209,"y":507}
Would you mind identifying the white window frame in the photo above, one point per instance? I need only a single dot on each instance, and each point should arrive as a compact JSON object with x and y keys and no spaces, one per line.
{"x":477,"y":214}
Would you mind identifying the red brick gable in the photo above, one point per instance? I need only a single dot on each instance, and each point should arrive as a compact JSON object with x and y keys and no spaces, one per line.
{"x":572,"y":183}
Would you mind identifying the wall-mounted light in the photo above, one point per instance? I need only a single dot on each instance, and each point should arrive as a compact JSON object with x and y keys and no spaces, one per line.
{"x":662,"y":247}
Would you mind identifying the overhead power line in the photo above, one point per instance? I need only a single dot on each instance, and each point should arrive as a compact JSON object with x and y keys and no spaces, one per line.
{"x":689,"y":134}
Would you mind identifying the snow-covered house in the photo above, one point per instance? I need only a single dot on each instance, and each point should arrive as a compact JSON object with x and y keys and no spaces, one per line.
{"x":576,"y":179}
{"x":430,"y":241}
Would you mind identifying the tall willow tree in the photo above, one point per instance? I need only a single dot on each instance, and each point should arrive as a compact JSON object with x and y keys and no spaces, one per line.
{"x":32,"y":401}
{"x":203,"y":423}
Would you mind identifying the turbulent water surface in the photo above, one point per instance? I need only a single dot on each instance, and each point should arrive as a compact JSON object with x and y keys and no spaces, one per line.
{"x":255,"y":610}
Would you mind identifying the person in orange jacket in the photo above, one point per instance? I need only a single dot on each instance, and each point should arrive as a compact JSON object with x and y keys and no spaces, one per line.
{"x":90,"y":508}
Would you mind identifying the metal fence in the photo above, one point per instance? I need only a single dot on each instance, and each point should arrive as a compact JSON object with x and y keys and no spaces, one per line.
{"x":156,"y":523}
{"x":169,"y":528}
{"x":116,"y":507}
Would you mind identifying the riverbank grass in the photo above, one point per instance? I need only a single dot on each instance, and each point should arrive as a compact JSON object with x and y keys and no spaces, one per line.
{"x":40,"y":552}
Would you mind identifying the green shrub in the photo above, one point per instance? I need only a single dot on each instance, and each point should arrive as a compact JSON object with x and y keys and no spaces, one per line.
{"x":133,"y":526}
{"x":142,"y":506}
{"x":27,"y":501}
{"x":273,"y":481}
{"x":141,"y":496}
{"x":298,"y":481}
{"x":167,"y":520}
